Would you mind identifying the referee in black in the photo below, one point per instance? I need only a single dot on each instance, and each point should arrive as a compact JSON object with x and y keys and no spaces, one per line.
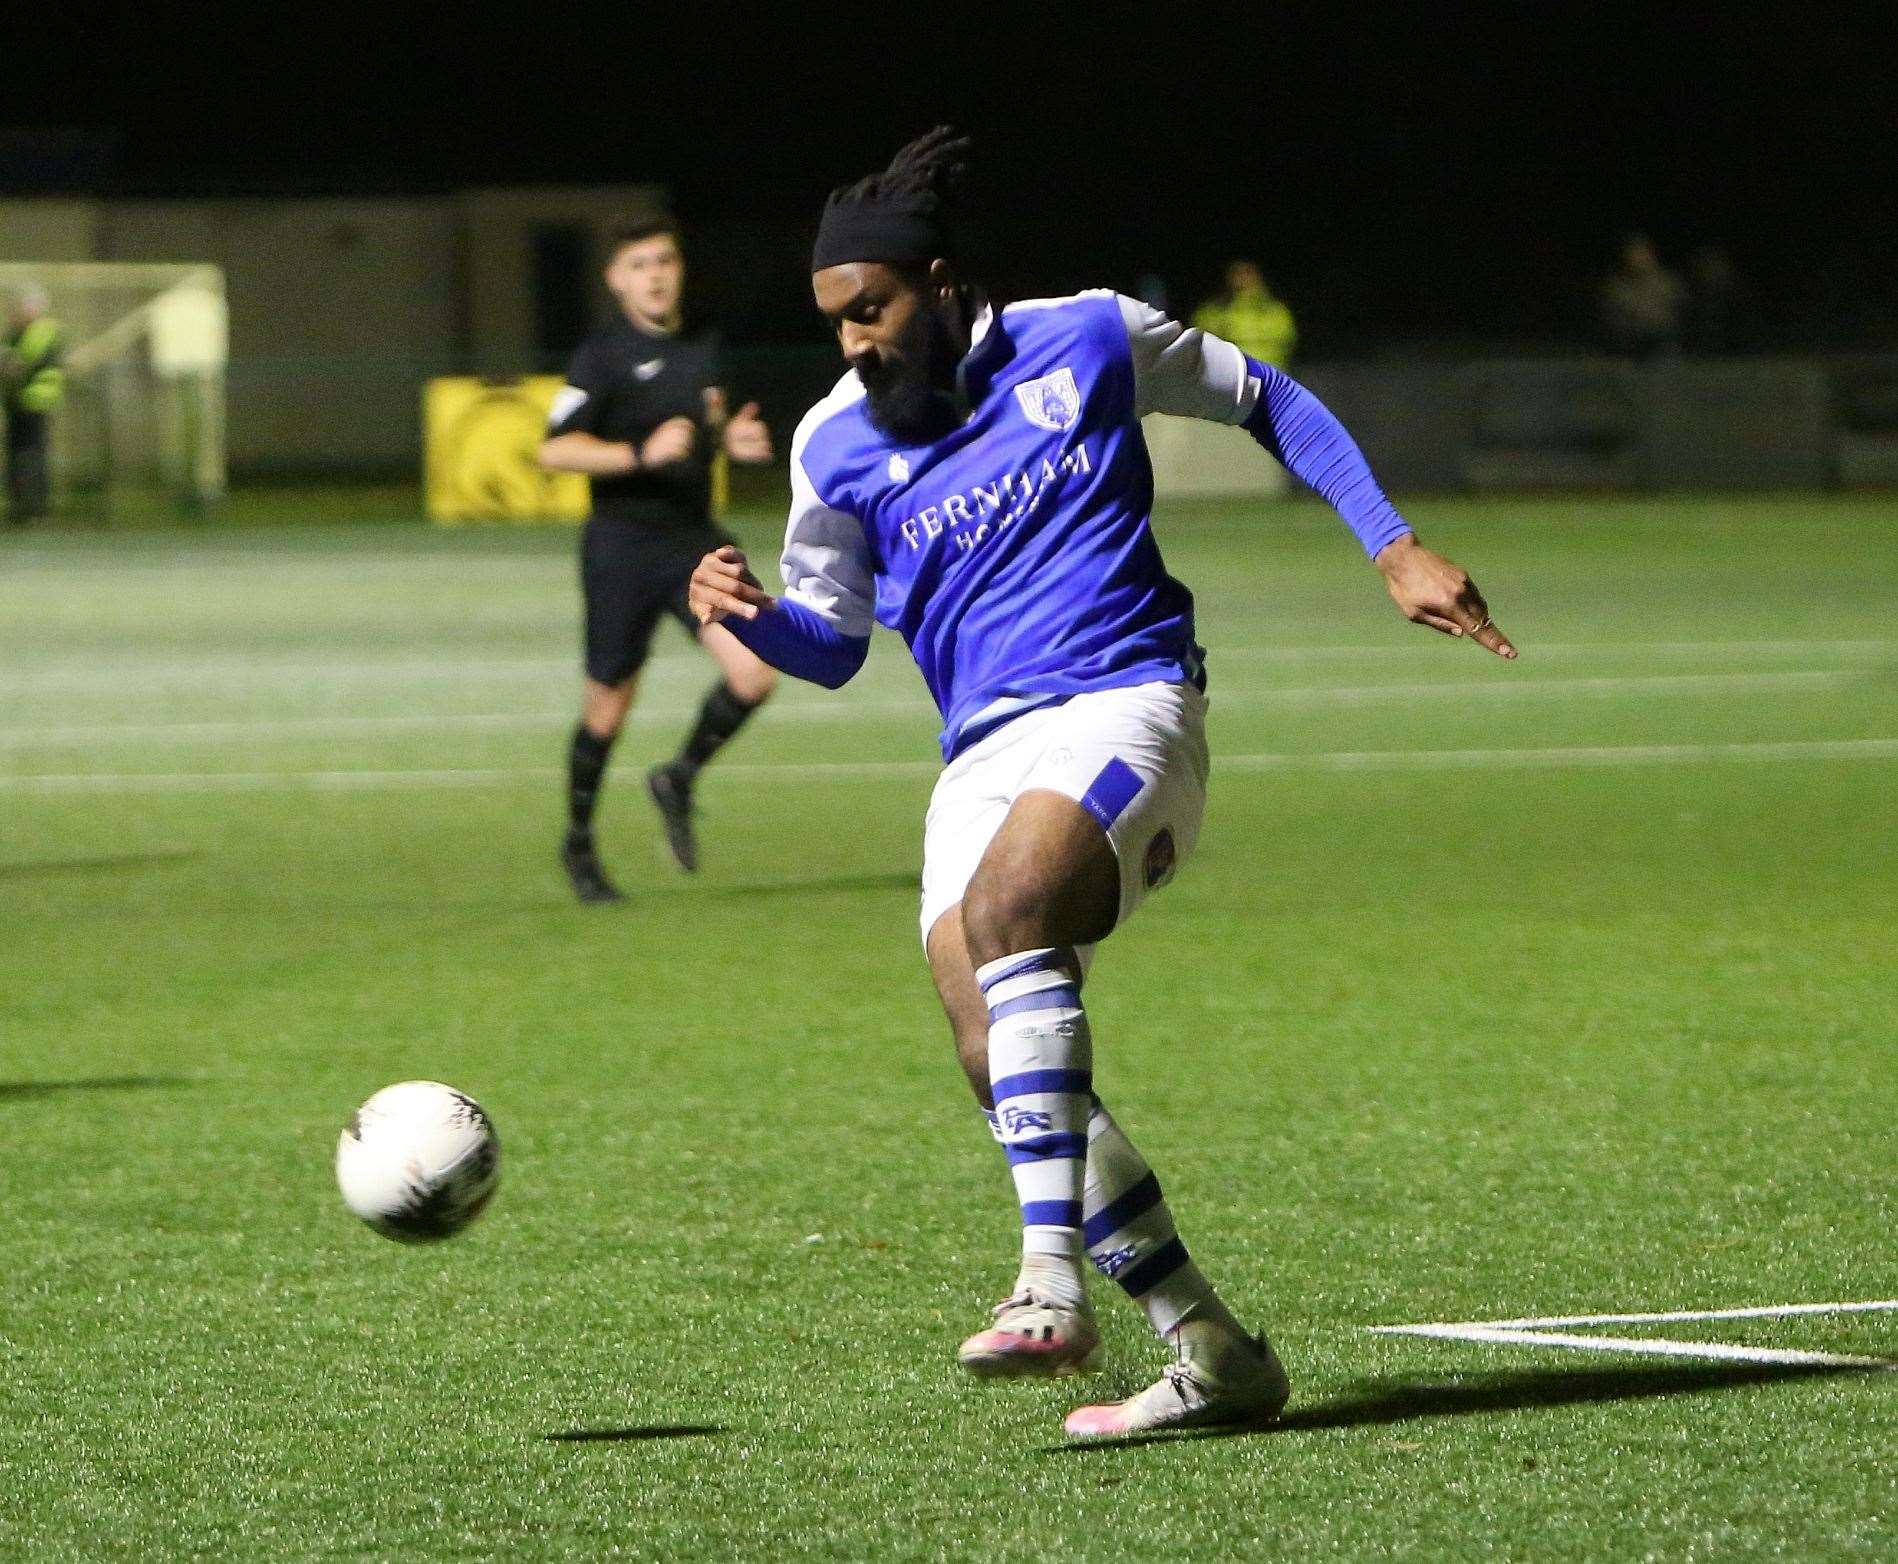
{"x":641,"y":415}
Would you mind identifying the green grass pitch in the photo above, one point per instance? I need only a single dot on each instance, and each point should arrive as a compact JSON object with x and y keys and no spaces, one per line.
{"x":1561,"y":987}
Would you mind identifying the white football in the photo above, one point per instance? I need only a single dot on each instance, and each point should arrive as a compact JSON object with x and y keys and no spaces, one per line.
{"x":418,"y":1161}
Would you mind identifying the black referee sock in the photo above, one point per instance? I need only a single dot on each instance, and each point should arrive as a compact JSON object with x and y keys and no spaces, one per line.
{"x":586,"y":767}
{"x":722,"y":715}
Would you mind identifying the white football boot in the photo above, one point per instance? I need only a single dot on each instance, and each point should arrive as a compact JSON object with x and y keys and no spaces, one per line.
{"x":1034,"y":1335}
{"x":1221,"y":1380}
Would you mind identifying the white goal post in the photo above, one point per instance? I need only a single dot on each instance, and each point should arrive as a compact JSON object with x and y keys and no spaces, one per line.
{"x":146,"y":346}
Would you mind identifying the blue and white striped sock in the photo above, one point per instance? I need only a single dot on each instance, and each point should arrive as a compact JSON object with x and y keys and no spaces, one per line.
{"x":1041,"y":1071}
{"x":1130,"y":1234}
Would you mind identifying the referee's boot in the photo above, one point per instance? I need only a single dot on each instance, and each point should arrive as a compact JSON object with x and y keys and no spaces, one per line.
{"x":582,"y":863}
{"x":671,"y":788}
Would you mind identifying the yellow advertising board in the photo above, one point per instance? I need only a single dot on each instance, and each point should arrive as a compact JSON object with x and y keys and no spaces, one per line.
{"x":480,"y":438}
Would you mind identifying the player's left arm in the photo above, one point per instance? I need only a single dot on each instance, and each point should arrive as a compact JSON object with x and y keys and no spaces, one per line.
{"x":742,"y":435}
{"x":1189,"y":373}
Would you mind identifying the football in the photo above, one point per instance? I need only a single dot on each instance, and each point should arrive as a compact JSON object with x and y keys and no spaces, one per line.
{"x":418,"y":1161}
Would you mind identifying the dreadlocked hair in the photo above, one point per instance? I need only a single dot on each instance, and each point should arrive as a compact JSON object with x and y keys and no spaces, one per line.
{"x":931,"y":165}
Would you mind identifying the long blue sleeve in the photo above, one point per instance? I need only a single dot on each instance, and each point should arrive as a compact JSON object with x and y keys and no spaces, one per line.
{"x":801,"y":643}
{"x":1301,"y":432}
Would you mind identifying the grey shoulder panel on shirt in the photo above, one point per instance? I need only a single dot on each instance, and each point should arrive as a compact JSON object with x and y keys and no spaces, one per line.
{"x":1057,"y":301}
{"x":1185,"y":371}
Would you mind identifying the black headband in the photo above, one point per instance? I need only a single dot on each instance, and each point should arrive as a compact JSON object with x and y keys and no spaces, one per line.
{"x":898,"y":230}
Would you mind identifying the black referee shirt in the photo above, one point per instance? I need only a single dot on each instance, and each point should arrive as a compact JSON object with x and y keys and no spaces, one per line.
{"x":624,"y":383}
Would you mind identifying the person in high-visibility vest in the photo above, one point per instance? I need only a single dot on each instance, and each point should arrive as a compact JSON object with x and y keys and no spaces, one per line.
{"x":31,"y":386}
{"x":1251,"y":316}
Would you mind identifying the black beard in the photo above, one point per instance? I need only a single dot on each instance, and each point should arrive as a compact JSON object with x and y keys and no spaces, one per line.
{"x":910,"y":410}
{"x":918,"y":403}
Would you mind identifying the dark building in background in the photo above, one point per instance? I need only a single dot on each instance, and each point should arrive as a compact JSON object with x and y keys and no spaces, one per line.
{"x":1439,"y":176}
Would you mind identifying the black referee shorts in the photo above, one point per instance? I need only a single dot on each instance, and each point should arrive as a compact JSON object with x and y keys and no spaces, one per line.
{"x":630,"y":575}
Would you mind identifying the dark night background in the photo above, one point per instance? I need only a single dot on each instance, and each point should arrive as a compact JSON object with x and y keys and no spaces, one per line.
{"x":1442,"y":174}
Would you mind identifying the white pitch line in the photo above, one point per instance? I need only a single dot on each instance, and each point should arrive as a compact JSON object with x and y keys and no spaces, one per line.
{"x":370,"y":781}
{"x":305,"y":727}
{"x":1303,"y":653}
{"x":1658,"y":1347}
{"x":888,"y":770}
{"x":1573,"y":755}
{"x":847,"y":710}
{"x":1505,"y":687}
{"x":552,"y":717}
{"x":326,"y":672}
{"x":304,"y":672}
{"x":1771,"y":1311}
{"x":266,"y":781}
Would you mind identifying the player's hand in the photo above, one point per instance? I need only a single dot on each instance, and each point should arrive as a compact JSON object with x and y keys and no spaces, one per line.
{"x":723,"y":587}
{"x":672,"y":441}
{"x":1434,"y":591}
{"x":746,"y":438}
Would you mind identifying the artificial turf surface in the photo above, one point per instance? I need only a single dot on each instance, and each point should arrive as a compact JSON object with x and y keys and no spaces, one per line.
{"x":1562,"y":987}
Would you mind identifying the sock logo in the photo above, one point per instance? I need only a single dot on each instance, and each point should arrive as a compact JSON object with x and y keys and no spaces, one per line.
{"x":1016,"y":1121}
{"x":1114,"y":1261}
{"x":1064,"y":1029}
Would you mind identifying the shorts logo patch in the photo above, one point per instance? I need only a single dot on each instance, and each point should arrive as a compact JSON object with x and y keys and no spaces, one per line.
{"x":1162,"y":855}
{"x":1052,"y":402}
{"x":1109,"y":794}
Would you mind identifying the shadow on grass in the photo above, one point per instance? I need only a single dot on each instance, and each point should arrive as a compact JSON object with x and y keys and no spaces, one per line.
{"x":1380,"y":1402}
{"x":579,"y":1436}
{"x":15,"y":1091}
{"x":108,"y":865}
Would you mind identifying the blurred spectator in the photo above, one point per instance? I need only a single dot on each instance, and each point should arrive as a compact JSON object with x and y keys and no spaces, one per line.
{"x":1642,"y":303}
{"x":31,"y":384}
{"x":1713,"y":283}
{"x":1249,"y":314}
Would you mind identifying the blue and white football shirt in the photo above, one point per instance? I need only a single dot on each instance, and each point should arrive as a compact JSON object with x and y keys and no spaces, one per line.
{"x":1016,"y":554}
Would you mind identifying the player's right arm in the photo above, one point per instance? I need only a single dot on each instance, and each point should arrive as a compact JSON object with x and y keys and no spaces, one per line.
{"x":820,"y":628}
{"x":573,"y":444}
{"x":581,"y":451}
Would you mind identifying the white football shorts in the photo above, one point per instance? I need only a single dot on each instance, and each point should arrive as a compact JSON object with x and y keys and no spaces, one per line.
{"x":1135,"y":759}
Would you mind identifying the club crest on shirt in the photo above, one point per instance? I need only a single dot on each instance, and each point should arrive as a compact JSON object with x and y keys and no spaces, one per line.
{"x":1052,"y":402}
